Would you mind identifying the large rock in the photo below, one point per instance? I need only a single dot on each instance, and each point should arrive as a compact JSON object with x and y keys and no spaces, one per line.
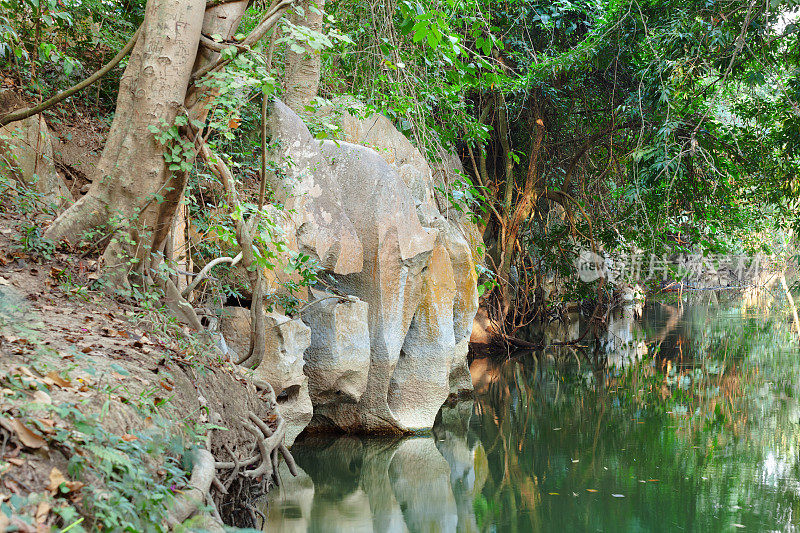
{"x":396,"y":251}
{"x":456,"y":233}
{"x":282,"y":365}
{"x":421,"y":380}
{"x":378,"y":132}
{"x":308,"y":188}
{"x":26,"y":153}
{"x":337,"y":362}
{"x":415,"y":272}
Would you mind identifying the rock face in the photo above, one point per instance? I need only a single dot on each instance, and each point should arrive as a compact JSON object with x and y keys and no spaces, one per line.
{"x":385,"y":360}
{"x":337,"y":361}
{"x":307,"y":187}
{"x":396,"y":251}
{"x":282,"y":366}
{"x":26,"y":152}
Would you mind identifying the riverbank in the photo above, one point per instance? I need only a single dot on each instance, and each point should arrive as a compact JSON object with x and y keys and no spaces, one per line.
{"x":108,"y":411}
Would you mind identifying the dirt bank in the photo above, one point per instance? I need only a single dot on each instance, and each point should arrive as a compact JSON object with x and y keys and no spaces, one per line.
{"x":105,"y":407}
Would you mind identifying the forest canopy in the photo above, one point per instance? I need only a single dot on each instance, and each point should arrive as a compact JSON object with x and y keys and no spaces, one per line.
{"x":666,"y":126}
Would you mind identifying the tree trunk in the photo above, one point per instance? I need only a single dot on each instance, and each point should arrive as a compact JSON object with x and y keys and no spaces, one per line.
{"x":524,"y":205}
{"x":134,"y":190}
{"x":303,"y":69}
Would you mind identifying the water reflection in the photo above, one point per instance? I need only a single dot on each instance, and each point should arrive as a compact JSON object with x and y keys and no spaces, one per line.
{"x":355,"y":484}
{"x":685,"y":421}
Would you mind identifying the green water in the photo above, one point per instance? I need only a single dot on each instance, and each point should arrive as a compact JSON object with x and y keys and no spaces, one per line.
{"x":687,"y":420}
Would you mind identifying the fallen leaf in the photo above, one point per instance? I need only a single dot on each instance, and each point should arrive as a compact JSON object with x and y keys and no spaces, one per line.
{"x":28,"y":438}
{"x":42,"y":510}
{"x":60,"y":484}
{"x":127,"y":437}
{"x":42,"y":397}
{"x":46,"y":425}
{"x":56,"y":479}
{"x":591,"y":490}
{"x":553,"y":494}
{"x":25,"y":370}
{"x":58,"y":380}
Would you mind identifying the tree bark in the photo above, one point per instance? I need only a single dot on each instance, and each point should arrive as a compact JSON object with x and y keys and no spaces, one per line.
{"x":303,"y":69}
{"x":134,"y":188}
{"x":524,"y":205}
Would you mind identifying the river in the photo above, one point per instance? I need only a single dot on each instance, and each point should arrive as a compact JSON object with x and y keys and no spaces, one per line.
{"x":685,"y":420}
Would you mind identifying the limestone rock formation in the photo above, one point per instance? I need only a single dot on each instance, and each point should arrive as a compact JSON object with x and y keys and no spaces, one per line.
{"x":366,"y":209}
{"x":458,"y":236}
{"x":337,"y":361}
{"x":307,"y":187}
{"x":282,"y":365}
{"x":26,"y":152}
{"x":396,"y":251}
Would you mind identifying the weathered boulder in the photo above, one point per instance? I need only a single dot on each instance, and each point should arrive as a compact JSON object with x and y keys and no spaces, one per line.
{"x":420,"y":383}
{"x":378,"y":132}
{"x":396,"y":251}
{"x":26,"y":153}
{"x":337,"y":361}
{"x":282,"y":365}
{"x":456,"y":233}
{"x":413,"y":268}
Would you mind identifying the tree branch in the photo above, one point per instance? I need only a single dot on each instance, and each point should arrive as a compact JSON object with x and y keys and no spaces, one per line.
{"x":270,"y":19}
{"x":29,"y":112}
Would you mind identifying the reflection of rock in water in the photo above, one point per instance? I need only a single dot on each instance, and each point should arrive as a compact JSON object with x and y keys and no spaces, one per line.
{"x":420,"y":478}
{"x":291,"y":512}
{"x":382,"y":484}
{"x":623,"y":342}
{"x":453,"y":442}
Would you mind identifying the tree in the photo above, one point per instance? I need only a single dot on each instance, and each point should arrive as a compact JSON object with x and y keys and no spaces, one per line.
{"x":303,"y":61}
{"x":617,"y":126}
{"x":138,"y":190}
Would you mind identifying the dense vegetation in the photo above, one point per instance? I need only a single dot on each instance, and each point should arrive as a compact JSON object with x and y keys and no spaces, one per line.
{"x":622,"y":127}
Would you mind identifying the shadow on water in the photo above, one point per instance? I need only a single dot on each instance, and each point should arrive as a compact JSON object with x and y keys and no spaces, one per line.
{"x":686,"y":420}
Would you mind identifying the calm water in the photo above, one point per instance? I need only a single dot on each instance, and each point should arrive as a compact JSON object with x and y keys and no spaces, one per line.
{"x":685,"y":421}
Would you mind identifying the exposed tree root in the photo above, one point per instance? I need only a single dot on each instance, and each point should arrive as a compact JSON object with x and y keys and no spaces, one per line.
{"x":262,"y":467}
{"x":193,"y":497}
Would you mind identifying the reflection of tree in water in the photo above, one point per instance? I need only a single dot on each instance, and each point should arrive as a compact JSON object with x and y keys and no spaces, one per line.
{"x":700,"y":434}
{"x":689,"y":412}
